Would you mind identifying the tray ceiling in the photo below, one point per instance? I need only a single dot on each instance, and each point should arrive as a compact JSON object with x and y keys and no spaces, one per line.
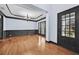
{"x":24,"y":11}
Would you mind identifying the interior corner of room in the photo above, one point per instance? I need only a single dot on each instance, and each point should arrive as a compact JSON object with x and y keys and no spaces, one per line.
{"x":56,"y":24}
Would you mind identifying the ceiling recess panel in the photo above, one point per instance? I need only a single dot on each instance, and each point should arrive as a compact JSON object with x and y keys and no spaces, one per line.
{"x":24,"y":11}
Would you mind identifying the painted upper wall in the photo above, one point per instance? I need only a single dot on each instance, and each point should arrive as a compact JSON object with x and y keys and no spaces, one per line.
{"x":16,"y":24}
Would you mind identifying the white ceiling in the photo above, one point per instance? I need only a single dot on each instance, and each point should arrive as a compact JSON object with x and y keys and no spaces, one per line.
{"x":22,"y":10}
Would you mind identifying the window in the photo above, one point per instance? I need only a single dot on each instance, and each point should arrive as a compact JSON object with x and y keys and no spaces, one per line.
{"x":68,"y":25}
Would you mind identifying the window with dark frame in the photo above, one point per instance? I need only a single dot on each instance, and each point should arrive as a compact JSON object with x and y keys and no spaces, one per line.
{"x":68,"y":25}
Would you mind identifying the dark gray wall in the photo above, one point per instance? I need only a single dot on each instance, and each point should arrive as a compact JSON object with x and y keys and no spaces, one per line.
{"x":12,"y":33}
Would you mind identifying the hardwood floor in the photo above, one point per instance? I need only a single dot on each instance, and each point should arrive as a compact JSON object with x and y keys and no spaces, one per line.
{"x":30,"y":45}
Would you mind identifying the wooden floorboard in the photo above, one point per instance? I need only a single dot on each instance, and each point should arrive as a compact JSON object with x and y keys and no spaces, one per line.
{"x":31,"y":45}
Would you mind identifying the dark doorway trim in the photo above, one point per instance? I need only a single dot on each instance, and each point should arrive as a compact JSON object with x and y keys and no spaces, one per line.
{"x":1,"y":29}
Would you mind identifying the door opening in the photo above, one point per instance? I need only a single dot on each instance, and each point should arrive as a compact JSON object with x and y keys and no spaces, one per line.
{"x":42,"y":28}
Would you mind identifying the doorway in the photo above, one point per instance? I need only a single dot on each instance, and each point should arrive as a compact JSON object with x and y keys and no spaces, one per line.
{"x":68,"y":29}
{"x":42,"y":28}
{"x":1,"y":27}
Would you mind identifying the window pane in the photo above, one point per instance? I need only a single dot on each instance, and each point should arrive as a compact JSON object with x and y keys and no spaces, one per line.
{"x":72,"y":15}
{"x":67,"y":28}
{"x":67,"y":22}
{"x":67,"y":32}
{"x":67,"y":19}
{"x":72,"y":34}
{"x":67,"y":35}
{"x":63,"y":28}
{"x":72,"y":19}
{"x":72,"y":28}
{"x":72,"y":25}
{"x":63,"y":17}
{"x":67,"y":16}
{"x":63,"y":22}
{"x":63,"y":33}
